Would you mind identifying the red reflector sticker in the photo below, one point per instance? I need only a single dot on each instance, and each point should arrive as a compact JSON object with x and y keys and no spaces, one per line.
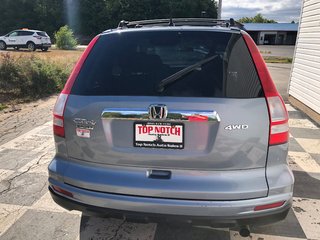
{"x":269,"y":206}
{"x":62,"y":191}
{"x":83,"y":133}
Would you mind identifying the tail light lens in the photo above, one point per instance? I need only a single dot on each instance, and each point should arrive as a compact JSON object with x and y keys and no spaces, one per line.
{"x":279,"y":128}
{"x":58,"y":120}
{"x":58,"y":111}
{"x":37,"y":37}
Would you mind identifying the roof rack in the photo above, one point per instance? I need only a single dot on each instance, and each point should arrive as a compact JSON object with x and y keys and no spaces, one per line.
{"x":181,"y":22}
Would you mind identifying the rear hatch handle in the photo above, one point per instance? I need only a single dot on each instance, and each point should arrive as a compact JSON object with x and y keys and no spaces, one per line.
{"x":173,"y":115}
{"x":159,"y":174}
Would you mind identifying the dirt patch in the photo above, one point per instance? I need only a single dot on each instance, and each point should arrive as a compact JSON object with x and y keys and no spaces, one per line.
{"x":298,"y":209}
{"x":18,"y":119}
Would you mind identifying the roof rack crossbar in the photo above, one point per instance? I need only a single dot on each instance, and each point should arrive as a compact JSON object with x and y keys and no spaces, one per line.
{"x":180,"y":22}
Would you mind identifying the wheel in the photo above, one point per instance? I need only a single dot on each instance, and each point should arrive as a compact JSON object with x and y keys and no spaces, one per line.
{"x":31,"y":46}
{"x":3,"y":45}
{"x":44,"y":49}
{"x":16,"y":48}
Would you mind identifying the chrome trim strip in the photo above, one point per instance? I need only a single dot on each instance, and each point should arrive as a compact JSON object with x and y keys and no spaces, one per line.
{"x":173,"y":115}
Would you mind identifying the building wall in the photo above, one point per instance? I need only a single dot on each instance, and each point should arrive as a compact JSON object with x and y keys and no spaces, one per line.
{"x":279,"y":38}
{"x":305,"y":75}
{"x":264,"y":40}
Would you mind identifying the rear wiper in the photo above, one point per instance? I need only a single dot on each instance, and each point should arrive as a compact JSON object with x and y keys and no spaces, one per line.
{"x":178,"y":75}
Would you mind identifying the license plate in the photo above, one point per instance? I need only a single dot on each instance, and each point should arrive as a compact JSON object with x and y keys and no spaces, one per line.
{"x":159,"y":135}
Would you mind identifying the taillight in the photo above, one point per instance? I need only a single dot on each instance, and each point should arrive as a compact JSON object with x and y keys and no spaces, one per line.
{"x":58,"y":111}
{"x":37,"y":37}
{"x":58,"y":119}
{"x":279,"y":128}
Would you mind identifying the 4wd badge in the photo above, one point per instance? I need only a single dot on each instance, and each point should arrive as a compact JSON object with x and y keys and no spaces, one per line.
{"x":237,"y":127}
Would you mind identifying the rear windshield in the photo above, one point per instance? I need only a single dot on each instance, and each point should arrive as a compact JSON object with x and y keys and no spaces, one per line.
{"x":135,"y":63}
{"x":42,"y":34}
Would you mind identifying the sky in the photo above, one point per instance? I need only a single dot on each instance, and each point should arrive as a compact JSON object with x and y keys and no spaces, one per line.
{"x":280,"y":11}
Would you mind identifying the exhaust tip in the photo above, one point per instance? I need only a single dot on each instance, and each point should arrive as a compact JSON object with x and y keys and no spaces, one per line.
{"x":244,"y":231}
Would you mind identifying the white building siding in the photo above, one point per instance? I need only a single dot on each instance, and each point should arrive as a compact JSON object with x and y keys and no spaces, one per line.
{"x":305,"y":76}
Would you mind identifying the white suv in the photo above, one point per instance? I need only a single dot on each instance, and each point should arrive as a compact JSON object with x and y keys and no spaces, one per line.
{"x":25,"y":38}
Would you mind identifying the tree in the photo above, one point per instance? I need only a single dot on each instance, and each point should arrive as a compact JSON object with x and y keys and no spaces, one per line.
{"x":100,"y":15}
{"x":94,"y":16}
{"x":256,"y":19}
{"x":46,"y":15}
{"x":65,"y":39}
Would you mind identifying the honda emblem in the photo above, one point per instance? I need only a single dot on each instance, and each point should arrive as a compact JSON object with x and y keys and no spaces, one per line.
{"x":158,"y":111}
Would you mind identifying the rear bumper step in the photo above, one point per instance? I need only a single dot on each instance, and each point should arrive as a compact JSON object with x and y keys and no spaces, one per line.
{"x":209,"y":219}
{"x":182,"y":184}
{"x":98,"y":203}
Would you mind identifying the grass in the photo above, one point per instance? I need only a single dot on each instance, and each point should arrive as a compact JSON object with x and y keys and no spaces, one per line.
{"x":53,"y":55}
{"x":2,"y":106}
{"x":265,"y":52}
{"x":273,"y":59}
{"x":26,"y":76}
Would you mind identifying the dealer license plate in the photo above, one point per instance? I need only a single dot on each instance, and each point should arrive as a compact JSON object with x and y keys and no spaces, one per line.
{"x":159,"y":135}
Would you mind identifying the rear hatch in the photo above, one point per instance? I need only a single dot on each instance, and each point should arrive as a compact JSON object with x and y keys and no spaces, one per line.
{"x":127,"y":108}
{"x":45,"y":39}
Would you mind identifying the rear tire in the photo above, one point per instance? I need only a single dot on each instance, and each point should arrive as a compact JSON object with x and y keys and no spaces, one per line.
{"x":31,"y":46}
{"x":16,"y":48}
{"x":3,"y":45}
{"x":44,"y":49}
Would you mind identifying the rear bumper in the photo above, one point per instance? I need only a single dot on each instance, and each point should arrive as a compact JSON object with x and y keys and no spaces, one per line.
{"x":48,"y":45}
{"x":209,"y":213}
{"x":116,"y":198}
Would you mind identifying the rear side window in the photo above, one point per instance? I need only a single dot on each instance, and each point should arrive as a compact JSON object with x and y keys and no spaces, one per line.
{"x":42,"y":34}
{"x":134,"y":63}
{"x":25,"y":33}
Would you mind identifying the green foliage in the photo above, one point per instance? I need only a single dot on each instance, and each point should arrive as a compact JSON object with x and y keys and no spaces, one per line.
{"x":94,"y":16}
{"x":30,"y":77}
{"x":273,"y":59}
{"x":45,"y":15}
{"x":256,"y":19}
{"x":2,"y":106}
{"x":65,"y":39}
{"x":99,"y":15}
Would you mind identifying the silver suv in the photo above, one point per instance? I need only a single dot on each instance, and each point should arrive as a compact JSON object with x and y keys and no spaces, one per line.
{"x":173,"y":119}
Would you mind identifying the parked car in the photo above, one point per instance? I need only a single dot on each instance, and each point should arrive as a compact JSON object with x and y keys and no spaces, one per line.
{"x":173,"y":119}
{"x":25,"y":38}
